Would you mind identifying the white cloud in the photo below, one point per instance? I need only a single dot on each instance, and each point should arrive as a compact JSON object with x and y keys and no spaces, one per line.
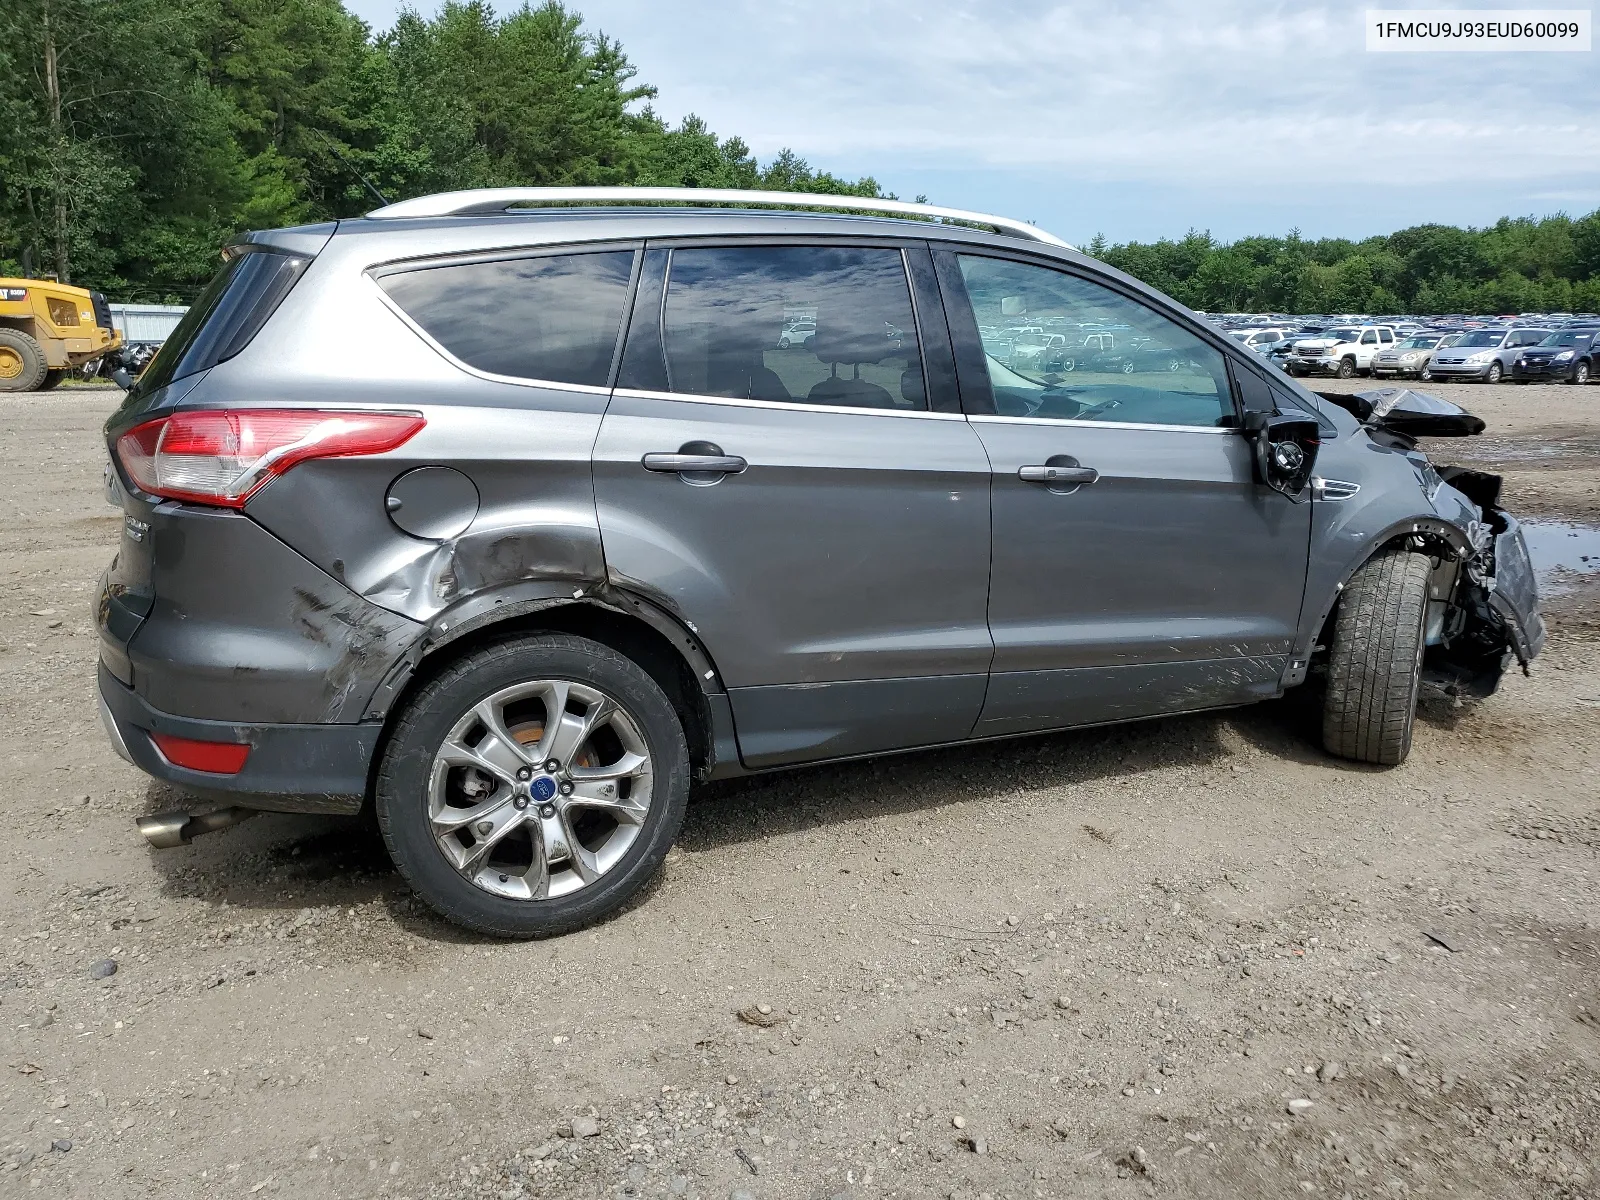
{"x":1162,"y":91}
{"x":1042,"y":106}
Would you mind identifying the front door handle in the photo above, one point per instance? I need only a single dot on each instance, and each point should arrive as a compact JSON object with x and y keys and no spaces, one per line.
{"x":721,"y":464}
{"x":1058,"y":476}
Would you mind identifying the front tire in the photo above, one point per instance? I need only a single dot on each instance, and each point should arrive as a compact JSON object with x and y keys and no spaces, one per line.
{"x":1580,"y":373}
{"x":52,"y":379}
{"x":22,"y":362}
{"x":1375,"y":661}
{"x":1493,"y":374}
{"x":1347,"y":368}
{"x":533,"y":787}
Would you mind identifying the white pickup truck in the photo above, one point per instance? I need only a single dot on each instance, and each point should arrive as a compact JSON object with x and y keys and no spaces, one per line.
{"x":1342,"y":351}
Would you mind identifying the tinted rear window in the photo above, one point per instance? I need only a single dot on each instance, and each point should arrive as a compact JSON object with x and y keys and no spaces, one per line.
{"x":730,"y":311}
{"x":226,"y":315}
{"x":554,"y":317}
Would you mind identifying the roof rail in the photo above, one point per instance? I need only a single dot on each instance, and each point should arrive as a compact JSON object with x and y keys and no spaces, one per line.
{"x":494,"y":200}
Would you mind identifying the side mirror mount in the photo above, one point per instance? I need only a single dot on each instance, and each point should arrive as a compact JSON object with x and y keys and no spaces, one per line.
{"x":1285,"y":449}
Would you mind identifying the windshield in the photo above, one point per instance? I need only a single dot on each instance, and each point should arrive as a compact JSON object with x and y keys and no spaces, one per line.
{"x":1421,"y":342}
{"x":1567,"y":339}
{"x":1341,"y":335}
{"x":1483,"y":337}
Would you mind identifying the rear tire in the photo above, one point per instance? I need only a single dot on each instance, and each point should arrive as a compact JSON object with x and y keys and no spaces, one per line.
{"x":408,"y":778}
{"x":22,"y":362}
{"x":1376,"y":660}
{"x":52,"y":378}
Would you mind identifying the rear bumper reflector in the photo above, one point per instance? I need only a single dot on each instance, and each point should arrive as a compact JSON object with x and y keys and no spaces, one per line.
{"x":215,"y":758}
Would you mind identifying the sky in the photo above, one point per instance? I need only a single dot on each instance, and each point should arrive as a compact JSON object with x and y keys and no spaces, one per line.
{"x":1137,"y":120}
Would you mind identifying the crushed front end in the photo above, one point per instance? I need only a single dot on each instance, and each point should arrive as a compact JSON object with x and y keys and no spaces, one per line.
{"x":1483,"y":610}
{"x":1491,"y":615}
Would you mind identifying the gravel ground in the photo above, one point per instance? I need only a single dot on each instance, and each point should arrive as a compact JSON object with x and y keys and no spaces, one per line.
{"x":1193,"y":957}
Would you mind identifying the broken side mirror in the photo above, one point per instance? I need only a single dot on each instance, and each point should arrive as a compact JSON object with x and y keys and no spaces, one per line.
{"x":1285,"y":449}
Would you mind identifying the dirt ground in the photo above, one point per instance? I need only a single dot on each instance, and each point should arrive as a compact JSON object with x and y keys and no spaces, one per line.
{"x":1192,"y":957}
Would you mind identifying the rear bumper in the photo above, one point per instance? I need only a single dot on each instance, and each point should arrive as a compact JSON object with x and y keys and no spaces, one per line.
{"x":291,"y":768}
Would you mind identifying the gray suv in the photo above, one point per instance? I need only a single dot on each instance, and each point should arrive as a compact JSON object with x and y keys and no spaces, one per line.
{"x":579,"y":531}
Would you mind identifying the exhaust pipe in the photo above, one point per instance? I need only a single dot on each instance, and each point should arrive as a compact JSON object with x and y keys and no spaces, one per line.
{"x":178,"y":828}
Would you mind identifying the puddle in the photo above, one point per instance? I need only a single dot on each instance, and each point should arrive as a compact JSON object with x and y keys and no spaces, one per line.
{"x":1561,"y":550}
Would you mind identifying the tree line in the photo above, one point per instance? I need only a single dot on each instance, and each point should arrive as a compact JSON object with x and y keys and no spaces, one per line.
{"x":138,"y":136}
{"x":1515,"y":265}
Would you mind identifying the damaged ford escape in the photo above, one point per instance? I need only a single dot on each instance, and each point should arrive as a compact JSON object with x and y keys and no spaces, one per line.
{"x":586,"y":527}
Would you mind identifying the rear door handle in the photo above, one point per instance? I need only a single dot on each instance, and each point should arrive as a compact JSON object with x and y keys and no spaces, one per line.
{"x":722,"y":464}
{"x":1071,"y":476}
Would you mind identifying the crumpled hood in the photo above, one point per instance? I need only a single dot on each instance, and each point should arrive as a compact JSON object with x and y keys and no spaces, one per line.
{"x":1409,"y":412}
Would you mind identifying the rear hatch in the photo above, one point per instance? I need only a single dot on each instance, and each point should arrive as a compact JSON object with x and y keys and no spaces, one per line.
{"x":252,"y":282}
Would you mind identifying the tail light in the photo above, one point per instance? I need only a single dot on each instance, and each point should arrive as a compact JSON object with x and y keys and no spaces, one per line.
{"x":223,"y":456}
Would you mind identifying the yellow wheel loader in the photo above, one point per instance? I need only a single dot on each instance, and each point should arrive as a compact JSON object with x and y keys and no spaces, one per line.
{"x":47,"y":329}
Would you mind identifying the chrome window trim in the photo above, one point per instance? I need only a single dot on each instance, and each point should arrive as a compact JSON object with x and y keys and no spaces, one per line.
{"x":588,"y":389}
{"x":1227,"y":430}
{"x":788,"y":406}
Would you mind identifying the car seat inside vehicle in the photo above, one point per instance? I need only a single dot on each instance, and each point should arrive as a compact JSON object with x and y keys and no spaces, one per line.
{"x":849,"y":348}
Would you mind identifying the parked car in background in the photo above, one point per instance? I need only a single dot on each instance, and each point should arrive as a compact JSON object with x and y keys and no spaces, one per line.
{"x":1448,"y":340}
{"x":1484,"y":354}
{"x":1270,"y":348}
{"x":797,"y":333}
{"x":1041,"y":353}
{"x":1099,"y":352}
{"x":1256,"y":338}
{"x":1408,"y":358}
{"x":1343,"y":352}
{"x":1570,"y":354}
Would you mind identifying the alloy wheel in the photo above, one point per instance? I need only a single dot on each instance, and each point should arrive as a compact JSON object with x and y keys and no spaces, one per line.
{"x":540,"y":789}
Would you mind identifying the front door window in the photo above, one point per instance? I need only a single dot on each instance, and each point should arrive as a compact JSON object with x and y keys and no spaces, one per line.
{"x":1118,"y":360}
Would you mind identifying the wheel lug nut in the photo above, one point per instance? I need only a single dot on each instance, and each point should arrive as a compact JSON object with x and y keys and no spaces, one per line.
{"x":551,"y":766}
{"x":547,"y":811}
{"x":520,"y":803}
{"x":524,"y":772}
{"x":566,"y":789}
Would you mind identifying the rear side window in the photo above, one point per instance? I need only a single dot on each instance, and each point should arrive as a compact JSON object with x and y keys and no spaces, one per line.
{"x":824,"y":325}
{"x":552,"y":317}
{"x":226,"y":315}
